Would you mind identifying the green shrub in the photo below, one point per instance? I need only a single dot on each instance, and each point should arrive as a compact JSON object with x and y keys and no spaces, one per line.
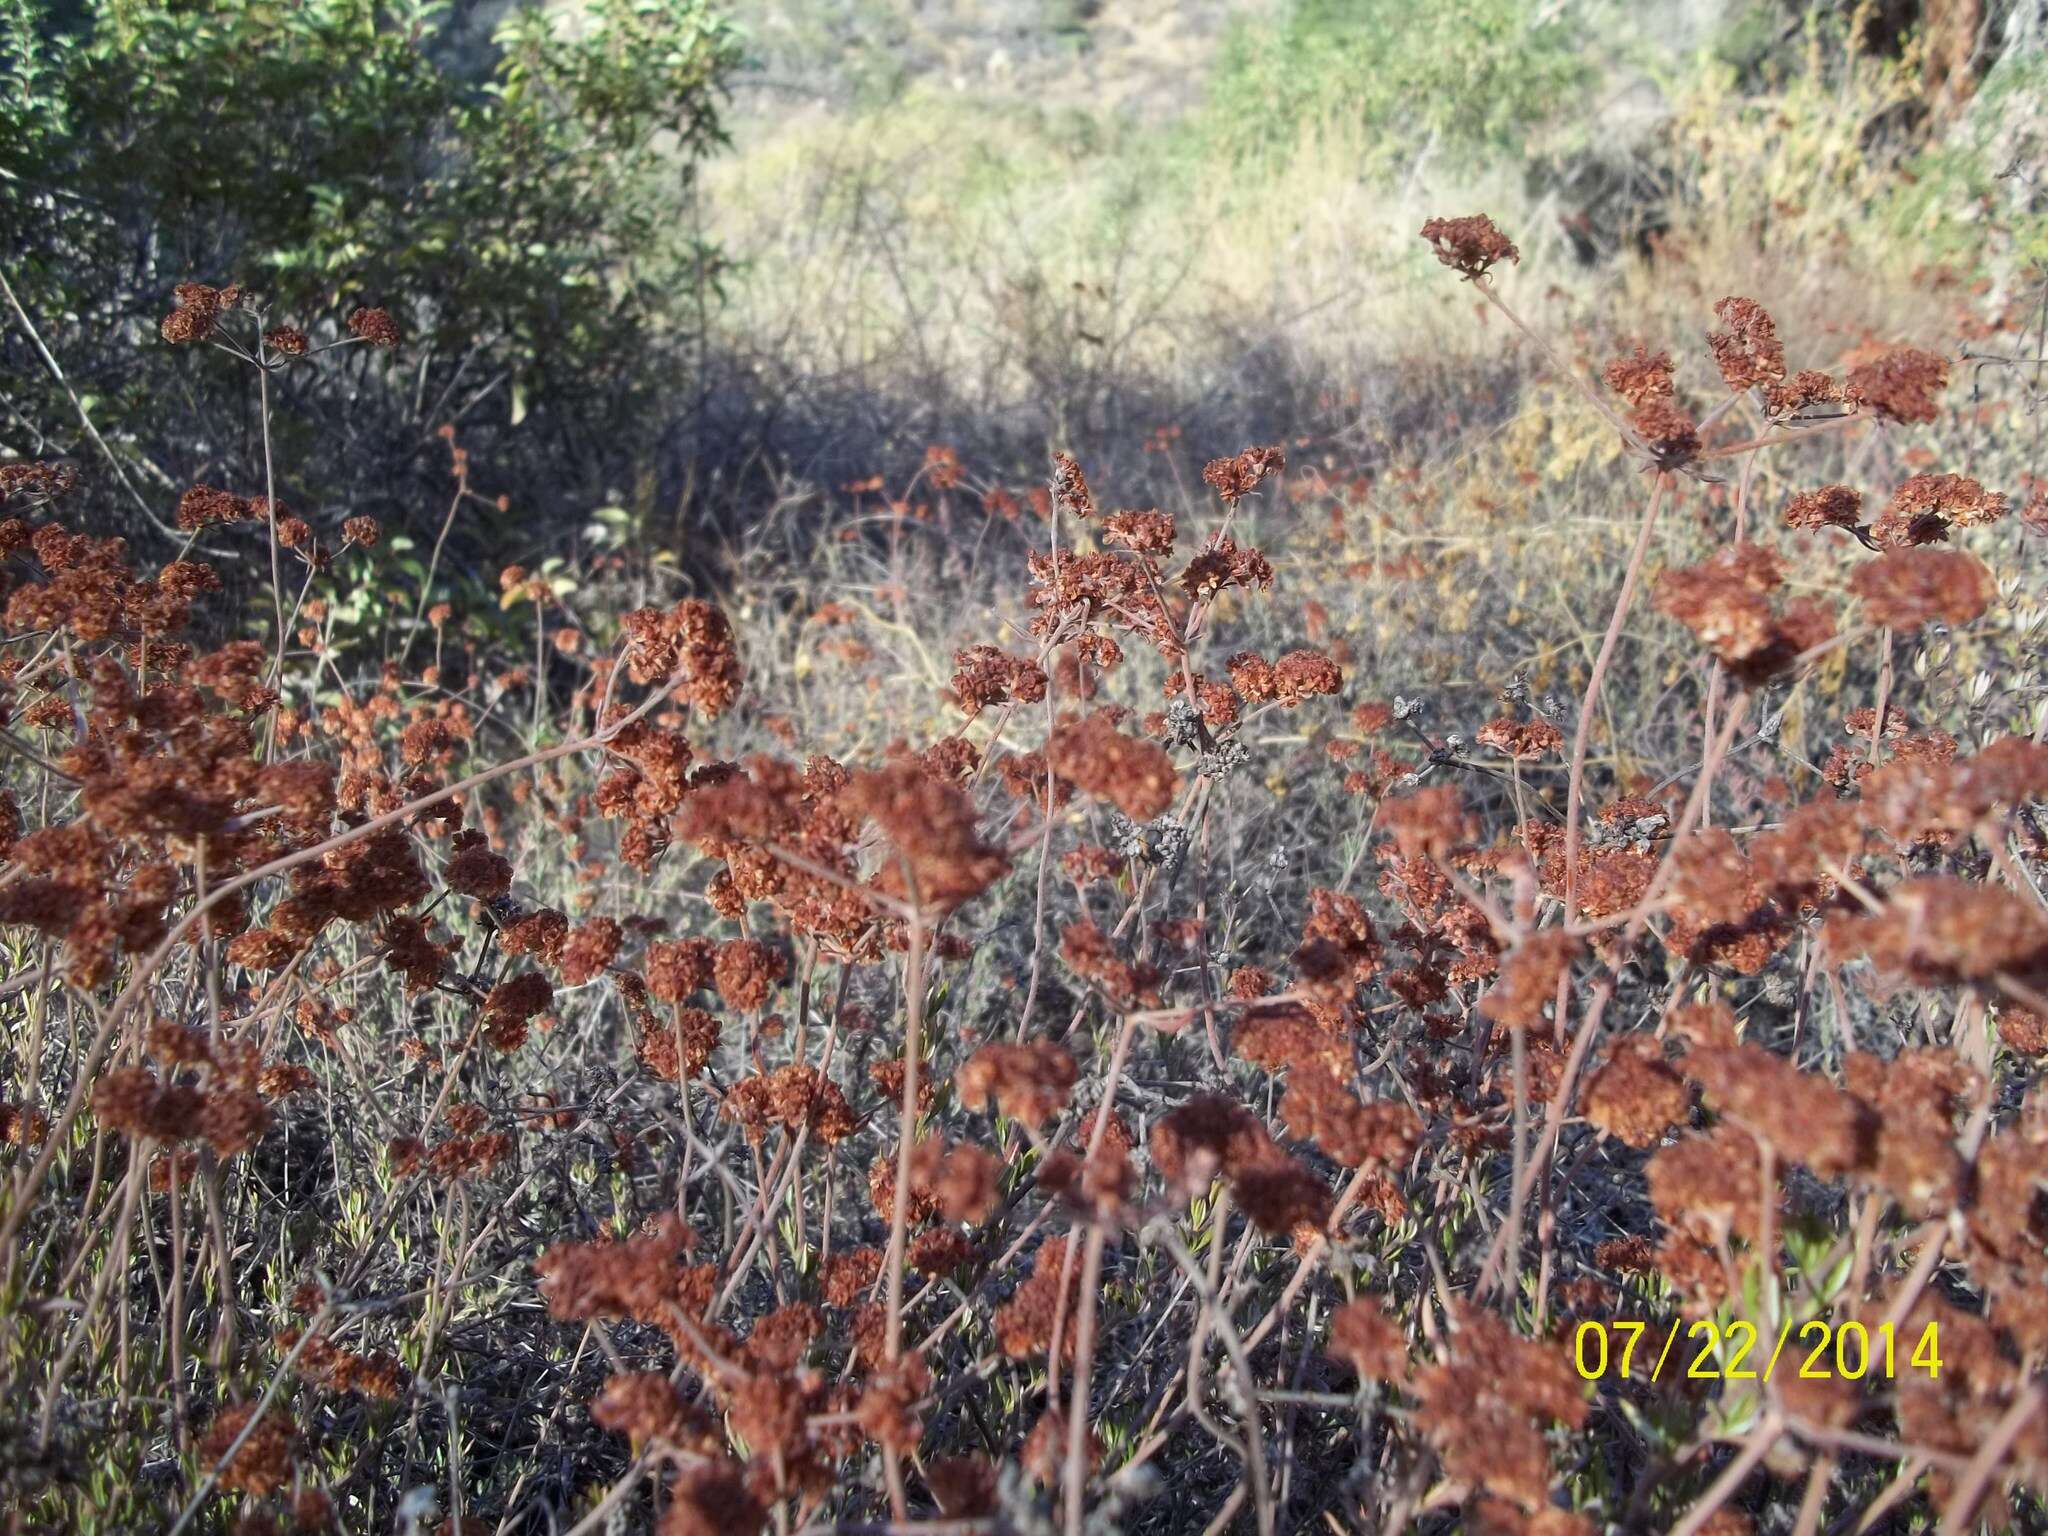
{"x":514,"y":204}
{"x":1469,"y":74}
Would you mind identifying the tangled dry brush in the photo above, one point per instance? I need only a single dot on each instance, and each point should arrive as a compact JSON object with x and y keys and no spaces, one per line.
{"x":408,"y":1130}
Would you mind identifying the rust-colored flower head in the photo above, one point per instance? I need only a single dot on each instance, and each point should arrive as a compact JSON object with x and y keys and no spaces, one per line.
{"x":1024,"y":1324}
{"x":1430,"y":823}
{"x":941,"y":467}
{"x":645,"y":1407}
{"x":1807,"y":388}
{"x":1671,"y":435}
{"x":747,"y":972}
{"x":1370,"y":1339}
{"x":1521,"y":739}
{"x":1236,"y":478}
{"x":1926,"y":507}
{"x":1044,"y":1452}
{"x":1906,"y":588}
{"x":541,"y":933}
{"x":1134,"y":775}
{"x":679,"y":1050}
{"x":964,"y":1486}
{"x":710,"y":657}
{"x":677,"y":968}
{"x":196,"y":310}
{"x":1208,"y":1135}
{"x":887,"y":1410}
{"x":1635,"y":1096}
{"x":374,"y":326}
{"x":1902,"y":384}
{"x":1029,"y":1082}
{"x":1641,"y":377}
{"x":1707,"y":1185}
{"x":1528,"y":980}
{"x":1146,"y":533}
{"x":984,"y":675}
{"x":1748,"y":351}
{"x":713,"y":1498}
{"x":1470,"y":245}
{"x":931,"y":846}
{"x":1319,"y":1108}
{"x":1804,"y":1117}
{"x":589,"y":948}
{"x":204,"y":505}
{"x":1726,"y":602}
{"x":2023,"y":1030}
{"x":1223,"y":563}
{"x":38,"y":481}
{"x":1070,"y":491}
{"x":1830,"y":506}
{"x":1089,"y":953}
{"x":1305,"y":674}
{"x":1937,"y":930}
{"x":475,"y":870}
{"x":286,"y":341}
{"x":1481,"y":1408}
{"x":263,"y":1464}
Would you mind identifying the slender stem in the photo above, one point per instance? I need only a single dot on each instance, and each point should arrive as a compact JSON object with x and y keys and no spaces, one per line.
{"x":899,"y":1214}
{"x":1078,"y":1428}
{"x":270,"y":521}
{"x":1575,"y":792}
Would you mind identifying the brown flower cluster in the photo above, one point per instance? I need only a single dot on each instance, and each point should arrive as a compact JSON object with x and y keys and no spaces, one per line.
{"x":1829,"y":506}
{"x":1223,"y":563}
{"x":1470,"y":245}
{"x":1025,"y":1324}
{"x":1901,"y":383}
{"x":227,"y":1107}
{"x":940,"y":859}
{"x":262,"y":1464}
{"x":1668,"y":430}
{"x":1134,"y":775}
{"x":1726,"y":601}
{"x":196,"y":310}
{"x":1029,"y":1082}
{"x":1905,"y":589}
{"x":1235,"y":478}
{"x":1926,"y":507}
{"x":1641,"y":377}
{"x":1295,"y":677}
{"x":1520,"y":739}
{"x":1483,"y":1407}
{"x":1748,"y":351}
{"x":1211,"y":1136}
{"x":985,"y":675}
{"x":373,"y":325}
{"x":1634,"y":1095}
{"x":374,"y":1374}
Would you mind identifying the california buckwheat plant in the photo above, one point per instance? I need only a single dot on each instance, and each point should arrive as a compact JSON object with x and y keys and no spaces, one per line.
{"x":573,"y":1069}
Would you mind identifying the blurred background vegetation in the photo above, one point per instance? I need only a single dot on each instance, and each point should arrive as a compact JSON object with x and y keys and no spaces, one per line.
{"x":669,"y":265}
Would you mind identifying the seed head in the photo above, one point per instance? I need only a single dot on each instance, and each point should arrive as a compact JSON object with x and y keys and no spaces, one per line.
{"x":1470,"y":245}
{"x":1748,"y":352}
{"x":374,"y":326}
